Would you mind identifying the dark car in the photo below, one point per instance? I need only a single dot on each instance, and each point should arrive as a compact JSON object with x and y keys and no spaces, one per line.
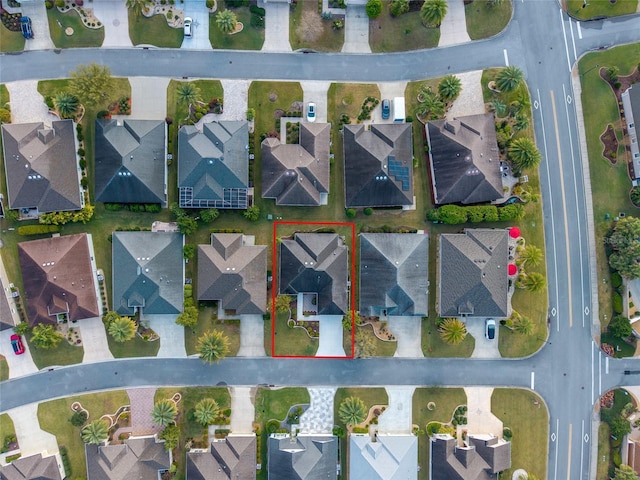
{"x":386,"y":109}
{"x":25,"y":25}
{"x":16,"y":343}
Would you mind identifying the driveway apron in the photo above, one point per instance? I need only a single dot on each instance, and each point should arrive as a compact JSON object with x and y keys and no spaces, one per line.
{"x":171,"y":335}
{"x":148,"y":98}
{"x":19,"y":365}
{"x":251,"y":336}
{"x":396,"y":419}
{"x":31,"y":438}
{"x":115,"y":17}
{"x":199,"y":39}
{"x":479,"y":416}
{"x":276,"y":33}
{"x":330,"y":336}
{"x":408,"y":332}
{"x":37,"y":12}
{"x":27,"y":105}
{"x":484,"y":348}
{"x":242,"y":410}
{"x":356,"y":30}
{"x":388,"y":90}
{"x":94,"y":340}
{"x":454,"y":26}
{"x":318,"y":418}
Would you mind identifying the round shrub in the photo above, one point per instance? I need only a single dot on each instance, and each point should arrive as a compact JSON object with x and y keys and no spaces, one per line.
{"x":351,"y":212}
{"x":368,"y":211}
{"x":59,"y":3}
{"x":616,"y":280}
{"x":48,"y":5}
{"x":272,"y":426}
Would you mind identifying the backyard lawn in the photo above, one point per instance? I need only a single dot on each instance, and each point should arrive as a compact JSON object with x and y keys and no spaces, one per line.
{"x":153,"y":31}
{"x":583,"y":10}
{"x":398,"y":34}
{"x":81,"y":37}
{"x":207,"y":321}
{"x":10,"y":41}
{"x":54,"y":418}
{"x":434,"y":346}
{"x":307,"y":29}
{"x":4,"y":369}
{"x":484,"y":21}
{"x":529,"y":423}
{"x":250,"y":38}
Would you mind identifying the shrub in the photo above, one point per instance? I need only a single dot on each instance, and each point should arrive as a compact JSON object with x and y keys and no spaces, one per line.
{"x":59,"y":3}
{"x":433,"y":428}
{"x":617,"y":303}
{"x":507,"y":433}
{"x":102,"y":114}
{"x":616,"y":280}
{"x":272,"y":426}
{"x":37,"y":229}
{"x":374,"y":8}
{"x":351,"y":212}
{"x":5,"y":115}
{"x":257,"y":10}
{"x":210,"y":4}
{"x":78,"y":418}
{"x":81,"y":152}
{"x":48,"y":5}
{"x":368,"y":211}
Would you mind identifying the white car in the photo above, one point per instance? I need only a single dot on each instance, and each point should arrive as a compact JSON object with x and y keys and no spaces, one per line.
{"x":187,"y":26}
{"x":490,"y":329}
{"x":311,"y":112}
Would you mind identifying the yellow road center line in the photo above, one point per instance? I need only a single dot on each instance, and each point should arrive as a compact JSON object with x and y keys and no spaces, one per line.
{"x":564,"y":209}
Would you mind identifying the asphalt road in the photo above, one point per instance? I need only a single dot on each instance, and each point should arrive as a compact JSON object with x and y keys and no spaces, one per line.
{"x":570,"y":372}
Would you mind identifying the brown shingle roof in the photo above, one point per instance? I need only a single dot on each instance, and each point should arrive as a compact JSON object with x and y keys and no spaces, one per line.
{"x":231,"y":458}
{"x":137,"y":459}
{"x":58,"y":278}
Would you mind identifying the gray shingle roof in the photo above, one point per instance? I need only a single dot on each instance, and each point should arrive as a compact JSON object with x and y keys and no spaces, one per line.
{"x":58,"y":278}
{"x":34,"y":467}
{"x":213,"y":165}
{"x":481,"y":459}
{"x":130,"y":161}
{"x":464,"y":162}
{"x":390,"y":457}
{"x":297,"y":174}
{"x":473,"y":273}
{"x":148,"y":272}
{"x":137,"y":459}
{"x":304,"y":457}
{"x":41,"y":166}
{"x":378,"y":165}
{"x":316,"y":263}
{"x":233,"y":273}
{"x":394,"y":273}
{"x":231,"y":458}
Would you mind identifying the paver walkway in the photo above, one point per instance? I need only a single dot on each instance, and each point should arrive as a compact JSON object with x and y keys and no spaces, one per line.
{"x":242,"y":410}
{"x":319,"y":416}
{"x":470,"y":101}
{"x":141,"y":401}
{"x":148,"y":98}
{"x":37,"y":12}
{"x":397,"y":418}
{"x":94,"y":340}
{"x":251,"y":336}
{"x":480,"y":420}
{"x":114,"y":16}
{"x":356,"y":30}
{"x":408,"y":331}
{"x":276,"y":34}
{"x":27,"y":105}
{"x":171,"y":335}
{"x":30,"y":437}
{"x":454,"y":26}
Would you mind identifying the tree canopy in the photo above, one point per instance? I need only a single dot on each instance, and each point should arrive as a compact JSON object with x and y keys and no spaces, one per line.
{"x":452,"y":331}
{"x":374,"y":8}
{"x":95,"y":433}
{"x":92,"y":83}
{"x":213,"y":346}
{"x":433,"y":12}
{"x":625,"y":245}
{"x":352,"y":411}
{"x":45,"y":337}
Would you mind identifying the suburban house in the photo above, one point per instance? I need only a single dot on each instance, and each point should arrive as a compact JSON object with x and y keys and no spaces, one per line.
{"x":480,"y":457}
{"x":130,"y":165}
{"x":136,"y":458}
{"x":473,"y":273}
{"x":394,"y":273}
{"x":148,"y":272}
{"x":231,"y":458}
{"x":302,"y":457}
{"x":633,"y":455}
{"x":383,"y":457}
{"x":233,"y":271}
{"x":32,"y":468}
{"x":631,"y":105}
{"x":463,"y":159}
{"x":298,"y":174}
{"x":213,"y":166}
{"x":41,"y":167}
{"x":59,"y":276}
{"x":316,"y":266}
{"x":378,"y":165}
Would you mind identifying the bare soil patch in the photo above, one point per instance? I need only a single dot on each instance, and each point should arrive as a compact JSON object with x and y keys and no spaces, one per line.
{"x":310,"y":28}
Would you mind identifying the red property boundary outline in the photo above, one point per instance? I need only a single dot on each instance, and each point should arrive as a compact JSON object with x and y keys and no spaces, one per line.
{"x":274,"y":291}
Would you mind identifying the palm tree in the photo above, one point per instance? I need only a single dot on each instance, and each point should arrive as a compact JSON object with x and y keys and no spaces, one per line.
{"x":45,"y":337}
{"x":452,"y":331}
{"x":499,"y":107}
{"x":431,"y":107}
{"x":524,"y":154}
{"x":520,"y":123}
{"x":226,"y":21}
{"x":213,"y":346}
{"x":352,"y":411}
{"x":188,"y":94}
{"x":531,"y":256}
{"x":137,"y":6}
{"x":449,"y":88}
{"x":66,"y":104}
{"x":433,"y":12}
{"x":164,"y":412}
{"x":509,"y":78}
{"x":535,"y":282}
{"x":524,"y":325}
{"x":95,"y":433}
{"x":206,"y":411}
{"x":122,"y":329}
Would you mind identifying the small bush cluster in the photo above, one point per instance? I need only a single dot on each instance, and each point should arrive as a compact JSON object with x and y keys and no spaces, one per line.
{"x":272,"y":426}
{"x":236,"y":3}
{"x":100,"y":115}
{"x":257,"y":16}
{"x":337,"y":4}
{"x":617,"y":302}
{"x":26,"y":230}
{"x":64,"y":454}
{"x":368,"y":104}
{"x":460,"y":416}
{"x":293,"y":133}
{"x":454,"y":214}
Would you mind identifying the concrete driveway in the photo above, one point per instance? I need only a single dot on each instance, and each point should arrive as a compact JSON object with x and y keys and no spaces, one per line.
{"x":484,"y":348}
{"x":409,"y":334}
{"x":19,"y":365}
{"x":388,"y":90}
{"x":276,"y":33}
{"x":243,"y":412}
{"x":330,"y":336}
{"x":480,"y":419}
{"x":94,"y":340}
{"x":199,"y":39}
{"x":171,"y":335}
{"x":37,"y":12}
{"x":397,"y":419}
{"x":148,"y":98}
{"x":454,"y":26}
{"x":316,"y":92}
{"x":27,"y":105}
{"x":251,"y":336}
{"x":30,"y":437}
{"x":318,"y":418}
{"x":114,"y":16}
{"x":356,"y":30}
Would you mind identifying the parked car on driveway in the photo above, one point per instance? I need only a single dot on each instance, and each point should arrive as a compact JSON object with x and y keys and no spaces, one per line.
{"x":16,"y":344}
{"x":490,"y":329}
{"x":187,"y":26}
{"x":25,"y":25}
{"x":386,"y":109}
{"x":311,"y":112}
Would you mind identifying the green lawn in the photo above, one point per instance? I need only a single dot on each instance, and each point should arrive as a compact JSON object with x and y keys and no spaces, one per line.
{"x":209,"y":89}
{"x":610,"y":184}
{"x":274,"y":404}
{"x":529,"y":424}
{"x":434,"y":346}
{"x":6,"y":427}
{"x":154,"y":31}
{"x":4,"y":369}
{"x":623,"y":349}
{"x":600,"y":8}
{"x":135,"y":347}
{"x":207,"y":320}
{"x":307,"y":29}
{"x":347,"y":98}
{"x":81,"y":37}
{"x":293,"y":341}
{"x":4,"y":96}
{"x":484,"y":21}
{"x":250,"y":38}
{"x":604,"y":450}
{"x":10,"y":41}
{"x":398,"y":34}
{"x":377,"y":347}
{"x":54,"y":418}
{"x":63,"y":354}
{"x":446,"y":400}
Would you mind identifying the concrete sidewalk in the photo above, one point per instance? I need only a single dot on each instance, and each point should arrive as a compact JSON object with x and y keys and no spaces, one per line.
{"x":330,"y":343}
{"x":318,"y":418}
{"x":480,"y":419}
{"x":454,"y":26}
{"x":19,"y":365}
{"x":316,"y":91}
{"x":199,"y":27}
{"x":408,"y":331}
{"x":470,"y":101}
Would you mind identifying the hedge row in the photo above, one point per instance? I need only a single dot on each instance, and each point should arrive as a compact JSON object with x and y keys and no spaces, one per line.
{"x":65,"y":461}
{"x":454,"y":214}
{"x":37,"y":229}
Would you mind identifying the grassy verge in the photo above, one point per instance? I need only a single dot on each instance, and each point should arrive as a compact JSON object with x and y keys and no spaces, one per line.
{"x":6,"y":426}
{"x":293,"y":341}
{"x":274,"y":404}
{"x":207,"y":321}
{"x":136,"y":347}
{"x":484,"y":21}
{"x":81,"y":37}
{"x":446,"y":400}
{"x":307,"y":29}
{"x":398,"y":34}
{"x":529,"y":423}
{"x":604,"y":451}
{"x":63,"y":354}
{"x":250,"y":38}
{"x":54,"y":418}
{"x":583,"y":10}
{"x":153,"y":31}
{"x":622,"y":348}
{"x":434,"y":346}
{"x":610,"y":184}
{"x":4,"y":369}
{"x":10,"y":41}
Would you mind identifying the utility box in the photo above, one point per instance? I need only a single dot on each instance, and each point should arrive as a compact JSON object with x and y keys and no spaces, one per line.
{"x":398,"y":110}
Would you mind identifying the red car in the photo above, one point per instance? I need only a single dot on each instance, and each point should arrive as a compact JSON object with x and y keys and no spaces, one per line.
{"x":16,"y":343}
